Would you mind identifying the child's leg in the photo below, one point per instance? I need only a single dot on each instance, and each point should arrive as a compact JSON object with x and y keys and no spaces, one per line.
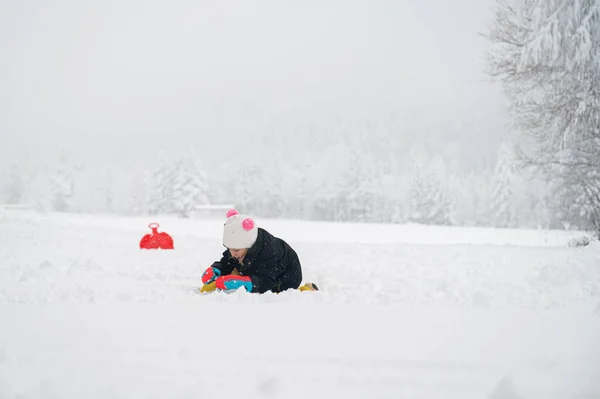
{"x":293,"y":277}
{"x":309,"y":287}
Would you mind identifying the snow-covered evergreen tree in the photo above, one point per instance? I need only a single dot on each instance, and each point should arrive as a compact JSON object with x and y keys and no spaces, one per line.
{"x":15,"y":190}
{"x":468,"y":194}
{"x":502,"y":205}
{"x":62,"y":185}
{"x":323,"y":185}
{"x":138,"y":204}
{"x":357,"y":191}
{"x":189,"y":188}
{"x":246,"y":187}
{"x":109,"y":193}
{"x":273,"y":204}
{"x":294,"y":191}
{"x":445,"y":202}
{"x":531,"y":203}
{"x":429,"y":200}
{"x":94,"y":189}
{"x":383,"y":196}
{"x":161,"y":186}
{"x":267,"y":186}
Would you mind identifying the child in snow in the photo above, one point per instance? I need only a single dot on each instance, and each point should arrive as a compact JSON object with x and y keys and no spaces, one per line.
{"x":254,"y":259}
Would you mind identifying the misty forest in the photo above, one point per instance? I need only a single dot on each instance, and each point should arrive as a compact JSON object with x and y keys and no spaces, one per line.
{"x":357,"y":156}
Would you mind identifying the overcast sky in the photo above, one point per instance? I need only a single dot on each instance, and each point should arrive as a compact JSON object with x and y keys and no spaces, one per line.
{"x":113,"y":78}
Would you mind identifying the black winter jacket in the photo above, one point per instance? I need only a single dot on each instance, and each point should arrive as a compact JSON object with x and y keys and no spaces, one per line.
{"x":271,"y":264}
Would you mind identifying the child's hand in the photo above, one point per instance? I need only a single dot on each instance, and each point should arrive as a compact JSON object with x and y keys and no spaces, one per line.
{"x":232,"y":282}
{"x":210,"y":274}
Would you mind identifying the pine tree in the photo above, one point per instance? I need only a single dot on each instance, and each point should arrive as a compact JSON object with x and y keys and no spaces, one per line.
{"x":445,"y":203}
{"x":357,"y":189}
{"x":429,"y":200}
{"x":161,"y":186}
{"x":62,"y":185}
{"x":138,"y":203}
{"x":268,"y":187}
{"x":16,"y":188}
{"x":189,"y":188}
{"x":109,"y":194}
{"x":501,"y":207}
{"x":294,"y":187}
{"x":246,"y":188}
{"x":273,"y":203}
{"x":325,"y":185}
{"x":383,"y":196}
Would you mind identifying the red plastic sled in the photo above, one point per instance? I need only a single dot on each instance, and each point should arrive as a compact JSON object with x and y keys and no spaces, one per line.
{"x":156,"y":240}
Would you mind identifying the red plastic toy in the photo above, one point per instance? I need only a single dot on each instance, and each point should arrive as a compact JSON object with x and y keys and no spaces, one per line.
{"x":156,"y":240}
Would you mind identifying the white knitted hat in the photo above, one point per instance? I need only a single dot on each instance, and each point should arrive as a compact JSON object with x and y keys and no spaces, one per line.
{"x":239,"y":231}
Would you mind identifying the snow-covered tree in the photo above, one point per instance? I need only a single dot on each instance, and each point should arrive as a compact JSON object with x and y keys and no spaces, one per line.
{"x":264,"y":183}
{"x":174,"y":187}
{"x":469,"y":191}
{"x":358,"y":188}
{"x":273,"y":204}
{"x":62,"y":185}
{"x":502,"y":204}
{"x":138,"y":203}
{"x":294,"y":191}
{"x":531,"y":200}
{"x":321,"y":189}
{"x":547,"y":57}
{"x":15,"y":190}
{"x":109,"y":191}
{"x":578,"y":204}
{"x":383,"y":196}
{"x":161,"y":186}
{"x":189,"y":187}
{"x":94,"y":189}
{"x":429,"y":200}
{"x":247,"y":186}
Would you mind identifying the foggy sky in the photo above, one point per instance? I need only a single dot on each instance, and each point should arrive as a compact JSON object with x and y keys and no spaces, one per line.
{"x":115,"y":79}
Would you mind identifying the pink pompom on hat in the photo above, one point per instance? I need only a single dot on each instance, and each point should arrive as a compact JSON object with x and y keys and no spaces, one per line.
{"x":239,"y":231}
{"x":231,"y":212}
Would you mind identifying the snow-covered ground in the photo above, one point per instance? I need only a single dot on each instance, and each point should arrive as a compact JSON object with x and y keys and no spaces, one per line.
{"x":403,"y":312}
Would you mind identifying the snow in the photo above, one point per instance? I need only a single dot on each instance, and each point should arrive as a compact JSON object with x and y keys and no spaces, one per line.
{"x":404,"y":311}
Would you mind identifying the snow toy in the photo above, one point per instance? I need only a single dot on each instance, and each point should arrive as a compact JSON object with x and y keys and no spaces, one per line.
{"x":213,"y":283}
{"x":156,"y":240}
{"x":211,"y":275}
{"x":227,"y":283}
{"x":209,"y":279}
